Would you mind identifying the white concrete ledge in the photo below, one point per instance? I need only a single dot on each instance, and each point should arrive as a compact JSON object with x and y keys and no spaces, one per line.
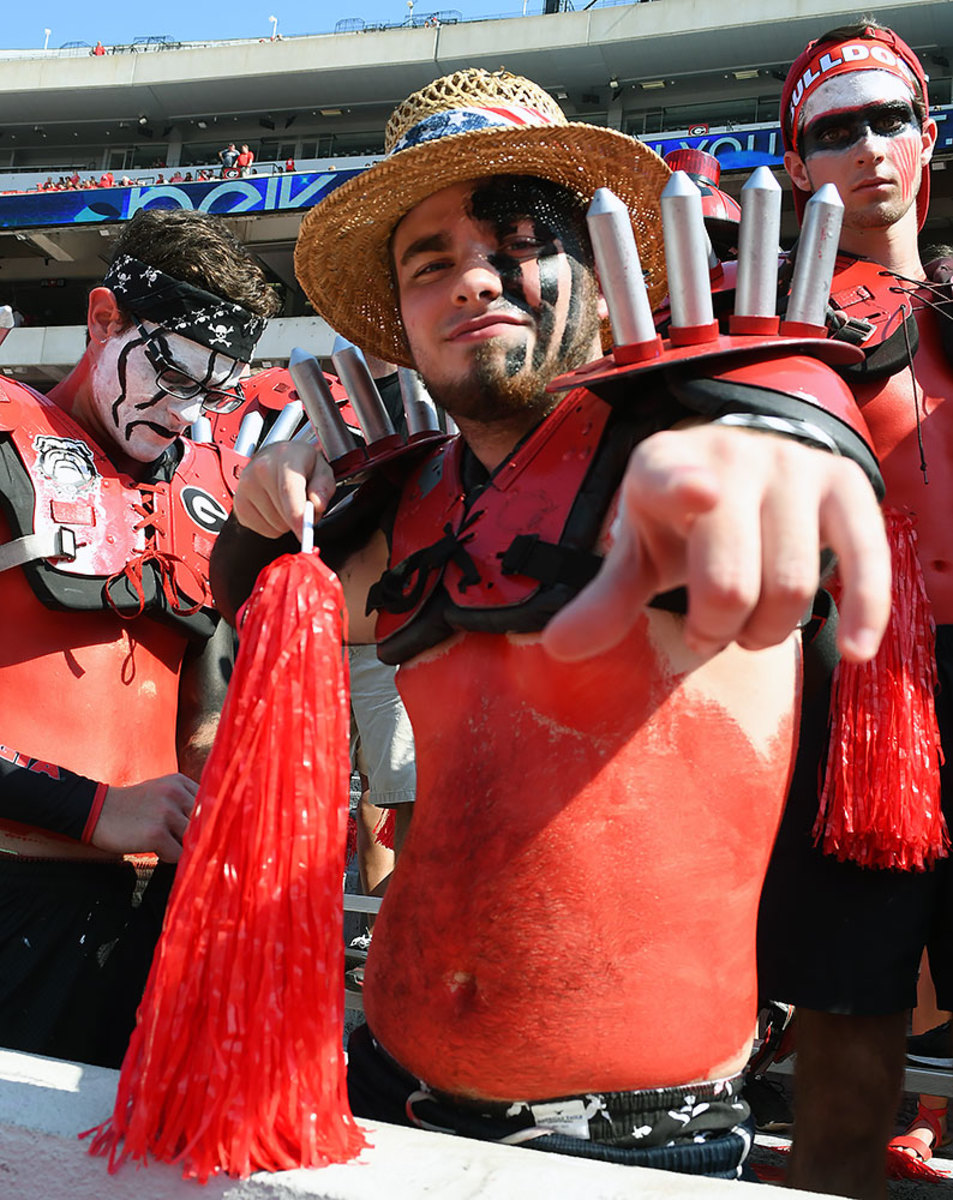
{"x":45,"y":1103}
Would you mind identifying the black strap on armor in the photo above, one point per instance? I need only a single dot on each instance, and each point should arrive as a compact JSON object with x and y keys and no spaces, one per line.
{"x":529,"y":555}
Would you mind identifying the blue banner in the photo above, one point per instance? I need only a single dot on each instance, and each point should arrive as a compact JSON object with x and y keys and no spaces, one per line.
{"x":748,"y":146}
{"x":264,"y":193}
{"x":740,"y":149}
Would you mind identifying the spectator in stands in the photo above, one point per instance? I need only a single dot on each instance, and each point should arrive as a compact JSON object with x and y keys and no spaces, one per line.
{"x":289,"y":165}
{"x":99,"y":50}
{"x":245,"y":159}
{"x":176,"y":177}
{"x":844,"y":924}
{"x":570,"y":926}
{"x":228,"y":157}
{"x":107,"y":179}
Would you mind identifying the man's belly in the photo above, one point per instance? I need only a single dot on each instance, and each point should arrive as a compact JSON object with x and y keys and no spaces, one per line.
{"x":575,"y":904}
{"x":930,"y":504}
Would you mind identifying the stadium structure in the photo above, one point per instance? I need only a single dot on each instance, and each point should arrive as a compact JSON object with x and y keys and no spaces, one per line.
{"x":671,"y":72}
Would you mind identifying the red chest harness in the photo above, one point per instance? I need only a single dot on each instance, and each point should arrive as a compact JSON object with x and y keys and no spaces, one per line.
{"x":876,"y":310}
{"x":89,"y":537}
{"x":513,"y":552}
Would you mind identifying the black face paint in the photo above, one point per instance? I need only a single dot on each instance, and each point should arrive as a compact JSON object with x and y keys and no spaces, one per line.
{"x":574,"y":322}
{"x":168,"y":434}
{"x":835,"y":132}
{"x":548,"y":266}
{"x":121,"y":372}
{"x":557,"y":225}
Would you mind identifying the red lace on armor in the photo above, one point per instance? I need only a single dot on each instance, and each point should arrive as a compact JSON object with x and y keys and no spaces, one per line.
{"x":166,"y":565}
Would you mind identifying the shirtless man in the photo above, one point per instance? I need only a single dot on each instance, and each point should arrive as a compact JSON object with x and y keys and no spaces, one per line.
{"x":564,"y":957}
{"x":841,"y":941}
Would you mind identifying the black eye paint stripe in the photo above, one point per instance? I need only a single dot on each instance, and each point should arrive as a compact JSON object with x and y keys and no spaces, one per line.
{"x":121,"y":372}
{"x":577,"y":289}
{"x":547,"y":264}
{"x":855,"y":123}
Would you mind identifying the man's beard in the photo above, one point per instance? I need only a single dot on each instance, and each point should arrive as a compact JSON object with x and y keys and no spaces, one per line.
{"x":501,"y":386}
{"x":491,"y":391}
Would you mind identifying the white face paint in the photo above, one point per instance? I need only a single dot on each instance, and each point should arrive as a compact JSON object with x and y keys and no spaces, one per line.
{"x":131,"y":410}
{"x":853,"y":89}
{"x":859,"y":132}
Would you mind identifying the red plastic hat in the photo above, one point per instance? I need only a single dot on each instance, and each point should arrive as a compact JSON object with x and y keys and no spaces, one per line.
{"x":705,"y":170}
{"x":872,"y":50}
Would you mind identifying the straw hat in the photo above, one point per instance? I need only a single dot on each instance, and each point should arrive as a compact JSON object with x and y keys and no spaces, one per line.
{"x":466,"y":125}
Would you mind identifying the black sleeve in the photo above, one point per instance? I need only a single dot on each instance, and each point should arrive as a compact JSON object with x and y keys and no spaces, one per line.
{"x":238,"y":557}
{"x":50,"y":797}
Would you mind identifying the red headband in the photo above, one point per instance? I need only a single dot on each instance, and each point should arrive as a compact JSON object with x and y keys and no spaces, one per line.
{"x":872,"y":50}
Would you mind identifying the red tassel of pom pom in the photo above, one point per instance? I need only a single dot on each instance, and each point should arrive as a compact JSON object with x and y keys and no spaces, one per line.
{"x":386,"y":829}
{"x":880,"y":803}
{"x":236,"y":1062}
{"x":907,"y":1166}
{"x":350,"y":841}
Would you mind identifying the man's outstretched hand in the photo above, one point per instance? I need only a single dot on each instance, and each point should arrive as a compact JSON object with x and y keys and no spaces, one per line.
{"x":739,"y":519}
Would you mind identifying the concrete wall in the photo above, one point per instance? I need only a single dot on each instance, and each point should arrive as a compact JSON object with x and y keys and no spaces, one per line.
{"x":673,"y":37}
{"x":57,"y":348}
{"x":44,"y":1104}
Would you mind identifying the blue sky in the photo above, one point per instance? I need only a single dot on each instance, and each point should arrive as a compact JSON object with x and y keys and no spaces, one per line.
{"x":121,"y":21}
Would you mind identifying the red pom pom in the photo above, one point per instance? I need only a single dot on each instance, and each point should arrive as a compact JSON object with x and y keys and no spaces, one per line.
{"x":236,"y":1063}
{"x":880,"y":803}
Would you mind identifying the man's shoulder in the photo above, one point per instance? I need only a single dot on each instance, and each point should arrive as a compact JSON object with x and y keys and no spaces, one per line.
{"x":19,"y":403}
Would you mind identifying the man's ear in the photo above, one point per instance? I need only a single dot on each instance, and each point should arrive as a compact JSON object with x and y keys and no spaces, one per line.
{"x":103,"y":318}
{"x":794,"y":165}
{"x":928,"y":135}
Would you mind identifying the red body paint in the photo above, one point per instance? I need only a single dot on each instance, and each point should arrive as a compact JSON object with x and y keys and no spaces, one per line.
{"x":573,"y":891}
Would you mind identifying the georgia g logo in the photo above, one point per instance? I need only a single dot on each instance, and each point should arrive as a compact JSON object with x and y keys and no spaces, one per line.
{"x":207,"y":512}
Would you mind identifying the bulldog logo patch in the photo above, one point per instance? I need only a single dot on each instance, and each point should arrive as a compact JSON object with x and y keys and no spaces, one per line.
{"x":66,"y":462}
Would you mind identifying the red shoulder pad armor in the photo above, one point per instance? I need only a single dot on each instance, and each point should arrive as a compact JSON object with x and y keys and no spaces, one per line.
{"x":145,"y":544}
{"x":268,"y":392}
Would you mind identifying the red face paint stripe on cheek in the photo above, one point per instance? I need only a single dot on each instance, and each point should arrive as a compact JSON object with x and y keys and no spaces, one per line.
{"x":908,"y":162}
